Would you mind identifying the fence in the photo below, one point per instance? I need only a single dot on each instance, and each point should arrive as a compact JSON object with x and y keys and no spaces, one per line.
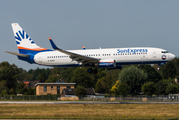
{"x":134,"y":98}
{"x":149,"y":98}
{"x":93,"y":98}
{"x":30,"y":97}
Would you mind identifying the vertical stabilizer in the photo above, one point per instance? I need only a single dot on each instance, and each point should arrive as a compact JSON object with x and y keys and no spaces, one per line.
{"x":24,"y":43}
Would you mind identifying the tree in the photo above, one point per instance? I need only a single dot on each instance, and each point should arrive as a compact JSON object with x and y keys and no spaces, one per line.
{"x":134,"y":78}
{"x":115,"y":88}
{"x":114,"y":75}
{"x":80,"y":91}
{"x":153,"y":75}
{"x":82,"y":78}
{"x":162,"y":85}
{"x":41,"y":77}
{"x":148,"y":88}
{"x":67,"y":73}
{"x":52,"y":79}
{"x":176,"y":63}
{"x":110,"y":81}
{"x":3,"y":86}
{"x":123,"y":89}
{"x":4,"y":92}
{"x":106,"y":81}
{"x":22,"y":75}
{"x":101,"y":73}
{"x":9,"y":73}
{"x":172,"y":89}
{"x":42,"y":74}
{"x":31,"y":91}
{"x":101,"y":86}
{"x":21,"y":88}
{"x":169,"y":70}
{"x":11,"y":91}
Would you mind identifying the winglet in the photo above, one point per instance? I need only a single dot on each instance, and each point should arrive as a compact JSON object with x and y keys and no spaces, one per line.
{"x":84,"y":48}
{"x":53,"y":44}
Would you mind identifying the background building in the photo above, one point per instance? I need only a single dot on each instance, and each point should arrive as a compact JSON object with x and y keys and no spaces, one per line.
{"x":52,"y":88}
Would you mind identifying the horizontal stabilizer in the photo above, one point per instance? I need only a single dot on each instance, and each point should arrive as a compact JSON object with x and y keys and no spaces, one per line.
{"x":18,"y":54}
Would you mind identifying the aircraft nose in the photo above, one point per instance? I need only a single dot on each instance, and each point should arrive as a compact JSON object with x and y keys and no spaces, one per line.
{"x":172,"y":56}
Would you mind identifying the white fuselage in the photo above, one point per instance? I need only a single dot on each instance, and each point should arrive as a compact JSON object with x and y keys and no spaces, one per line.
{"x":122,"y":56}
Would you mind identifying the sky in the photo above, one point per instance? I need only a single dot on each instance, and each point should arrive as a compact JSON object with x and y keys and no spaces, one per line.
{"x":90,"y":23}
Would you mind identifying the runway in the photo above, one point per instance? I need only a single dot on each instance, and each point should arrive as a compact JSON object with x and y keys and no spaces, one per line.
{"x":80,"y":102}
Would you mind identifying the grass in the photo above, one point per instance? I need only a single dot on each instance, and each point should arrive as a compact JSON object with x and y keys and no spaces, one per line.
{"x":89,"y":111}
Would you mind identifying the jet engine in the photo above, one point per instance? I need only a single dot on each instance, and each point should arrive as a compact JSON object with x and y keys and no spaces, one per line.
{"x":107,"y":63}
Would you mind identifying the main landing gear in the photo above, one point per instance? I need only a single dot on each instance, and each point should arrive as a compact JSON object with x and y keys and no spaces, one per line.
{"x":94,"y":71}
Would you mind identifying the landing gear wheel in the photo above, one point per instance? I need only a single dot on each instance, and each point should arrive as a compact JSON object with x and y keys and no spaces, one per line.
{"x":89,"y":70}
{"x":158,"y":68}
{"x":95,"y":71}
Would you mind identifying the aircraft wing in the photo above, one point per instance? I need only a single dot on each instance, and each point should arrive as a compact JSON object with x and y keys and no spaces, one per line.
{"x":74,"y":56}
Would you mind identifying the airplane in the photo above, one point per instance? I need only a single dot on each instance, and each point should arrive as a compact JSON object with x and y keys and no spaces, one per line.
{"x":111,"y":58}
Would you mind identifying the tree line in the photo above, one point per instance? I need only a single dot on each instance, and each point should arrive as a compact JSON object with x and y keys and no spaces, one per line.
{"x":131,"y":80}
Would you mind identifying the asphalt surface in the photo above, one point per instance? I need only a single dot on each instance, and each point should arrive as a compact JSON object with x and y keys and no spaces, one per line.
{"x":80,"y":102}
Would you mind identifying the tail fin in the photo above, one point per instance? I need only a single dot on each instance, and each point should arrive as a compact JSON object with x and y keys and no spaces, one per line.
{"x":24,"y":43}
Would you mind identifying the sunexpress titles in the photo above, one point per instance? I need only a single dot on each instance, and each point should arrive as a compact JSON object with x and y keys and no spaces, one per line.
{"x":132,"y":51}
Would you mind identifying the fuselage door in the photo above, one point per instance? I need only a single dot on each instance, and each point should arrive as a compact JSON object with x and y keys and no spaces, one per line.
{"x":154,"y":54}
{"x":40,"y":59}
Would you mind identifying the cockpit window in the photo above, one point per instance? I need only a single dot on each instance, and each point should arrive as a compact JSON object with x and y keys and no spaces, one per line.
{"x":165,"y":52}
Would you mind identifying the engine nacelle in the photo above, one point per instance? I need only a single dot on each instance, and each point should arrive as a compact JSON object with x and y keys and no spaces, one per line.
{"x":107,"y":63}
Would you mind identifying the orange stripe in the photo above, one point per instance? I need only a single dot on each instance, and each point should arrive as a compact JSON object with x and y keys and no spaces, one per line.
{"x":36,"y":49}
{"x":107,"y":62}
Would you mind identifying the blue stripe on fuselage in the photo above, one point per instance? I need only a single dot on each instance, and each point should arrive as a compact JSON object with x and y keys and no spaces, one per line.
{"x":32,"y":53}
{"x":117,"y":64}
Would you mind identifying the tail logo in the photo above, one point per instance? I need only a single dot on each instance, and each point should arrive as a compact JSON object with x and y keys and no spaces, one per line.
{"x":21,"y":37}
